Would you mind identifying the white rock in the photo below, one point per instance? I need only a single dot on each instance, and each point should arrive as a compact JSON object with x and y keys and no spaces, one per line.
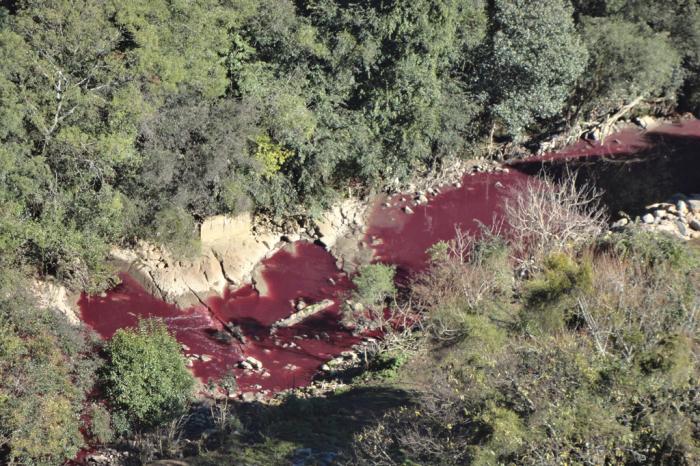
{"x":408,"y":210}
{"x":648,"y":219}
{"x":682,"y":206}
{"x":257,"y":365}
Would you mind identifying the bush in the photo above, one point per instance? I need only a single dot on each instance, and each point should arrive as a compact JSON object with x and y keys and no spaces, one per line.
{"x":466,"y":278}
{"x":45,"y":371}
{"x":550,"y":297}
{"x":546,"y":216}
{"x":374,"y":286}
{"x":535,"y":59}
{"x":627,"y":60}
{"x":145,"y":378}
{"x":176,"y":230}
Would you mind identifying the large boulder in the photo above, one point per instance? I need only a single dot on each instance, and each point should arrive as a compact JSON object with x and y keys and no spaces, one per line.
{"x":56,"y":297}
{"x":230,"y":249}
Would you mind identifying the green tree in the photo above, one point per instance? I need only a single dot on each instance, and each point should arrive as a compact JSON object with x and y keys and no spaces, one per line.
{"x":627,"y":61}
{"x":533,"y":61}
{"x":46,"y":369}
{"x":145,"y":377}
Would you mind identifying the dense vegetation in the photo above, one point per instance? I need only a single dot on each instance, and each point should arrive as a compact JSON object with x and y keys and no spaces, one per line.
{"x":136,"y":119}
{"x":130,"y":119}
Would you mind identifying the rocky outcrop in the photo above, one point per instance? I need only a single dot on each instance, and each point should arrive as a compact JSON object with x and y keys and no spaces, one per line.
{"x":232,"y":249}
{"x":341,"y":220}
{"x":58,"y":298}
{"x":679,"y":216}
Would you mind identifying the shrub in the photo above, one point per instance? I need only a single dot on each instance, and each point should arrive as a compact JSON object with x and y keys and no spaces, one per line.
{"x":145,"y":377}
{"x":175,"y":229}
{"x":546,"y":216}
{"x":466,"y":277}
{"x":550,"y":297}
{"x":45,"y":371}
{"x":100,"y":429}
{"x":374,"y":286}
{"x":627,"y":60}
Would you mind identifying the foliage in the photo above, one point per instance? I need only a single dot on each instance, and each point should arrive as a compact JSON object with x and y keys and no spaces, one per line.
{"x":595,"y":383}
{"x":270,"y":155}
{"x":627,"y":60}
{"x":114,"y":112}
{"x":374,"y":286}
{"x":145,"y":377}
{"x":535,"y":56}
{"x":175,"y":228}
{"x":45,"y":372}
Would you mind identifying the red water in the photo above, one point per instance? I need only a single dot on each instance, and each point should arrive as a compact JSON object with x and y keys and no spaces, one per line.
{"x":405,"y":238}
{"x":629,"y":141}
{"x":293,"y":356}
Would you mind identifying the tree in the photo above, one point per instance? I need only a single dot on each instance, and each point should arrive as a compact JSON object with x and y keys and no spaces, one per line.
{"x":145,"y":377}
{"x":46,"y":370}
{"x":627,"y":60}
{"x":534,"y":59}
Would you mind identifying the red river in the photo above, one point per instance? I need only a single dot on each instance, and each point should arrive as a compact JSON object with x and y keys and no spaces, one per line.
{"x":293,"y":356}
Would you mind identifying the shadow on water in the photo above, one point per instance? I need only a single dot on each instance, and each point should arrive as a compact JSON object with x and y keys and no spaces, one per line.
{"x":668,"y":164}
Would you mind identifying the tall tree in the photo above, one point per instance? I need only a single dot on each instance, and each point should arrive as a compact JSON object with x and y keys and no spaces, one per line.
{"x":533,"y":62}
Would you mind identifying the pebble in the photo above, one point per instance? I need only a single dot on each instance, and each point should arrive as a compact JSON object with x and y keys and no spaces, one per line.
{"x":648,"y":219}
{"x":408,"y":210}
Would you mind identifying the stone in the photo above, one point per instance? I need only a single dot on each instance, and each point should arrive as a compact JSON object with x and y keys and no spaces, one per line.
{"x":205,"y":358}
{"x":248,"y":397}
{"x":245,"y":365}
{"x":620,"y":223}
{"x":50,"y":295}
{"x":682,"y":206}
{"x":648,"y":219}
{"x":254,"y":363}
{"x":660,"y":213}
{"x":682,"y":229}
{"x":408,"y":210}
{"x":695,"y":224}
{"x":694,"y":205}
{"x":422,"y":199}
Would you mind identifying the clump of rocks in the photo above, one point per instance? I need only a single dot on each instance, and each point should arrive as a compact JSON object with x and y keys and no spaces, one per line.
{"x":449,"y":175}
{"x":679,"y":216}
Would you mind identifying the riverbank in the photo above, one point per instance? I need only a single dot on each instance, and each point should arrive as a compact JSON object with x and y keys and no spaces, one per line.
{"x":399,"y":229}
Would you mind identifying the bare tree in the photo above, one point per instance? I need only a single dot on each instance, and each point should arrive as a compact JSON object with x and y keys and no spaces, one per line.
{"x":545,"y":215}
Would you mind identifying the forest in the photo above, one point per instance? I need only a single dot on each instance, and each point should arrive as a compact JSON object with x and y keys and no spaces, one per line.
{"x":123,"y":120}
